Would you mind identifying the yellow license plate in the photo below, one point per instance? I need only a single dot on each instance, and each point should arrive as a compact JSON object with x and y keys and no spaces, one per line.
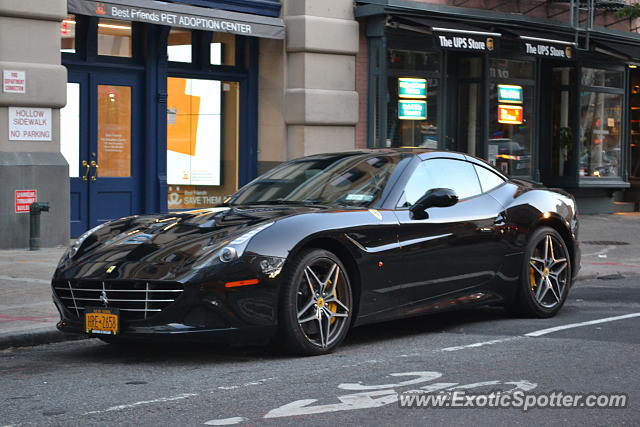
{"x":101,"y":321}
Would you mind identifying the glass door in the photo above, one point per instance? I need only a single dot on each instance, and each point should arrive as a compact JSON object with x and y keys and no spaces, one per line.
{"x":100,"y":138}
{"x":114,"y":158}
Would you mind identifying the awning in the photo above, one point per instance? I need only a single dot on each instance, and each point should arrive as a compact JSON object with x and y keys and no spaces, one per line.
{"x":454,"y":36}
{"x":181,"y":15}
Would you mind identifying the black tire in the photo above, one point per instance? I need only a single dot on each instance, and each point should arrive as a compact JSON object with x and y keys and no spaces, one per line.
{"x":302,"y":330}
{"x":535,"y":298}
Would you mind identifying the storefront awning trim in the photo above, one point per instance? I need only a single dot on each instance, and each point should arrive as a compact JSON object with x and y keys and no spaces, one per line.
{"x":182,"y":15}
{"x":454,"y":30}
{"x":543,"y":40}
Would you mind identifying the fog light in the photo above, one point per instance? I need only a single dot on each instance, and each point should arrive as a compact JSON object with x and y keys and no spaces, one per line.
{"x":228,"y":254}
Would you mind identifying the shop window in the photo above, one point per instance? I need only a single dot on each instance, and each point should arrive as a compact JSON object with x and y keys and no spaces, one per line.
{"x":114,"y":38}
{"x":222,"y":49}
{"x":179,"y":45}
{"x":68,"y":34}
{"x":70,"y":129}
{"x":600,"y":135}
{"x":413,"y":117}
{"x":511,"y":129}
{"x":602,"y":78}
{"x":511,"y":117}
{"x":562,"y":108}
{"x":202,"y":141}
{"x":635,"y":124}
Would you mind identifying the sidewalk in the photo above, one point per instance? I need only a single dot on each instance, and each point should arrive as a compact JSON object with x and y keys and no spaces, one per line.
{"x":610,"y":249}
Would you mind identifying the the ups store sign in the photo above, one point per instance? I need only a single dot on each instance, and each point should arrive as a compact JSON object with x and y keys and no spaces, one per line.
{"x":469,"y":41}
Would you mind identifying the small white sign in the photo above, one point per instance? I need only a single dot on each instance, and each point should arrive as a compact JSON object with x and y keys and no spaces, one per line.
{"x":29,"y":124}
{"x":14,"y":81}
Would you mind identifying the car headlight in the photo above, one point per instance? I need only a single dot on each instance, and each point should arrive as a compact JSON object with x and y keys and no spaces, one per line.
{"x":232,"y":250}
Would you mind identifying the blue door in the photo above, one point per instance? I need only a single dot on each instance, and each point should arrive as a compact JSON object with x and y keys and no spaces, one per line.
{"x":105,"y":183}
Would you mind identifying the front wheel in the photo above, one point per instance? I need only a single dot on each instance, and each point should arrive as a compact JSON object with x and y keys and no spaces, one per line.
{"x":316,"y":303}
{"x":546,"y":275}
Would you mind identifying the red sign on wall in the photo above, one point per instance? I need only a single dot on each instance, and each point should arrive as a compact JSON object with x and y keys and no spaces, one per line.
{"x":24,"y":198}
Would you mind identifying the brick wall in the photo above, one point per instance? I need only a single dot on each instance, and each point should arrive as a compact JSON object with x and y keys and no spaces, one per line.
{"x":539,"y":9}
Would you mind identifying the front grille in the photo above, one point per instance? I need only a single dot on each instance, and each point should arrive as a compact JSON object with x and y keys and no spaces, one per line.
{"x":137,"y":299}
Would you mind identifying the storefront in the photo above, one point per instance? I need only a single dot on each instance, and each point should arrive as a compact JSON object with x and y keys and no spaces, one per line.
{"x":521,"y":92}
{"x":162,"y":102}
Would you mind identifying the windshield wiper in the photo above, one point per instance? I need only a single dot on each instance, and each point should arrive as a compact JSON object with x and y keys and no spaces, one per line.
{"x":308,"y":202}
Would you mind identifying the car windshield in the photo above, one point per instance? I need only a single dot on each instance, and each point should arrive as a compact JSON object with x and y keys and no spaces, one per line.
{"x":349,"y":179}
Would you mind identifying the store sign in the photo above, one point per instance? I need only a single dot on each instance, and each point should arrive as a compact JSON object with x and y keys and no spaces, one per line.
{"x":510,"y":114}
{"x":29,"y":124}
{"x":14,"y":81}
{"x":511,"y":94}
{"x":24,"y":198}
{"x":412,"y":88}
{"x":466,"y":41}
{"x":546,"y":48}
{"x":412,"y":110}
{"x":172,"y":15}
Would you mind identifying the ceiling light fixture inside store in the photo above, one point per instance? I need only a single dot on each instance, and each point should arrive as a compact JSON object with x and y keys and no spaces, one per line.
{"x":117,"y":27}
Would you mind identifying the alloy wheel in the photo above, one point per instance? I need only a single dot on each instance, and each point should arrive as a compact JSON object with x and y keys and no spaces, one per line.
{"x":323,"y":302}
{"x":548,"y":271}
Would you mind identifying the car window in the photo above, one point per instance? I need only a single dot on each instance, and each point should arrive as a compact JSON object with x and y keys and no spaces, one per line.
{"x":457,"y":175}
{"x":488,"y":179}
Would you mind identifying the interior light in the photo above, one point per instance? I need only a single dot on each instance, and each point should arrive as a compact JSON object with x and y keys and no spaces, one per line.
{"x":117,"y":27}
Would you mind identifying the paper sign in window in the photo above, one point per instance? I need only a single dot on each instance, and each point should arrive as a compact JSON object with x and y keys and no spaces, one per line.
{"x":114,"y":131}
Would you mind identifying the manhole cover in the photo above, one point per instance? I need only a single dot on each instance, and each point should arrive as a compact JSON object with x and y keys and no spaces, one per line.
{"x":604,"y":242}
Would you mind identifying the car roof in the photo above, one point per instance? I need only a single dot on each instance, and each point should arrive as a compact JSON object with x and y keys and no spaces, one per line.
{"x":422,"y":153}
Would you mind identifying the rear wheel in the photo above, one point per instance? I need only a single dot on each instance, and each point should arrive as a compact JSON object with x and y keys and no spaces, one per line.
{"x":316,"y":303}
{"x":546,"y":275}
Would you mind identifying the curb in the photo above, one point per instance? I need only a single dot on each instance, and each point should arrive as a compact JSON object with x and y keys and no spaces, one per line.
{"x":33,"y":337}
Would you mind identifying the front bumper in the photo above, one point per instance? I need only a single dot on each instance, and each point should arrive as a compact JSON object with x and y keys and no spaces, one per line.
{"x":205,"y":310}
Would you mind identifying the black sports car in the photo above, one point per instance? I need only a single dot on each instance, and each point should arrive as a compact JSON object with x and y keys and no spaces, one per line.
{"x":321,"y":244}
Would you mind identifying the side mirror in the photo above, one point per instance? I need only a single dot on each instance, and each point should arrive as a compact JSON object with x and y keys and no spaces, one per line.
{"x":434,"y":198}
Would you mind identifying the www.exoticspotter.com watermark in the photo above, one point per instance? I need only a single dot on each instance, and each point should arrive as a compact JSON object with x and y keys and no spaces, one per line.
{"x":518,"y":400}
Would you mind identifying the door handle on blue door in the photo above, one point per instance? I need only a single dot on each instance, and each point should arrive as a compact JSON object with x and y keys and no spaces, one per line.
{"x":86,"y":172}
{"x":95,"y":173}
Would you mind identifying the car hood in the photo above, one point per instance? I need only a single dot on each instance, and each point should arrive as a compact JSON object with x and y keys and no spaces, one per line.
{"x":178,"y":238}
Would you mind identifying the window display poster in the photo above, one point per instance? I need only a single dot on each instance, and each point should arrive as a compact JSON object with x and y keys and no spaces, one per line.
{"x":193,"y":131}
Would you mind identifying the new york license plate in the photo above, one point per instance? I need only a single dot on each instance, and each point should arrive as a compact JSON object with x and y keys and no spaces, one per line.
{"x":101,"y":321}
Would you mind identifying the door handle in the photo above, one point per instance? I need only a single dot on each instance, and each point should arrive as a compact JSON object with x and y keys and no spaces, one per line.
{"x":86,"y":172}
{"x":95,"y":173}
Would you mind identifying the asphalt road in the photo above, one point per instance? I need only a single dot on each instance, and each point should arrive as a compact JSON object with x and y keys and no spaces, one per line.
{"x":87,"y":383}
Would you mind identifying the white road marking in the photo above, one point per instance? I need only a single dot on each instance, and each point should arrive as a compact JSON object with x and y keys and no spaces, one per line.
{"x":226,"y":421}
{"x":233,"y":387}
{"x":143,"y":402}
{"x":479,"y":344}
{"x":579,"y":324}
{"x":25,"y":279}
{"x":423,"y":377}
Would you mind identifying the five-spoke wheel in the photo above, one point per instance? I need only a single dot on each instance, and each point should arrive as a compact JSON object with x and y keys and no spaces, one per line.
{"x":546,"y":275}
{"x":317,"y":303}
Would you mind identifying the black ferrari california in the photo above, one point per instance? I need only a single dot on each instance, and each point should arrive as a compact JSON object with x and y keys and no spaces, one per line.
{"x":321,"y":244}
